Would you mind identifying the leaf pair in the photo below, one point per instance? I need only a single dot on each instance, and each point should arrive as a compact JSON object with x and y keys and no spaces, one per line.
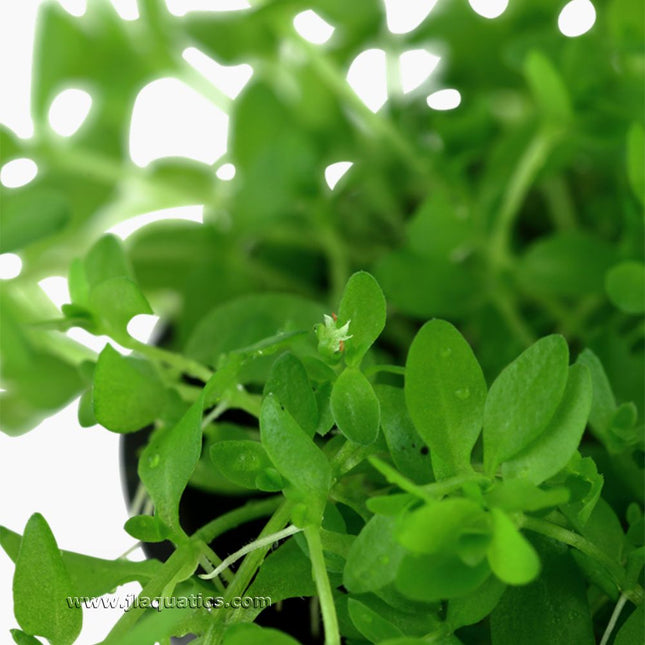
{"x":536,"y":412}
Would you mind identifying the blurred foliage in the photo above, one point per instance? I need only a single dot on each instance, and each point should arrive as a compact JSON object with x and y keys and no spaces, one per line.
{"x":515,"y":215}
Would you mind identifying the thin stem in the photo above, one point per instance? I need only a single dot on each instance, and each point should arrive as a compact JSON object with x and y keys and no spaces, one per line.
{"x":214,"y":413}
{"x":577,"y":542}
{"x":445,"y":486}
{"x":614,"y":619}
{"x":252,"y":561}
{"x":390,"y":369}
{"x":187,"y":365}
{"x":512,"y":317}
{"x":518,"y":186}
{"x":256,"y":544}
{"x":381,"y":126}
{"x":328,"y":608}
{"x":250,"y":511}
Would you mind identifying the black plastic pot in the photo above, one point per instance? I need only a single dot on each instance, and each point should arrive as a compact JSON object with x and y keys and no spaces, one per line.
{"x":292,"y":616}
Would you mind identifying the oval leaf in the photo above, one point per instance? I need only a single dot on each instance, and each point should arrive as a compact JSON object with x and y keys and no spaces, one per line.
{"x":293,"y":453}
{"x":552,"y":450}
{"x":168,"y":461}
{"x":363,"y":306}
{"x":127,"y":393}
{"x":625,"y":286}
{"x":445,"y":391}
{"x":243,"y":462}
{"x":523,"y":399}
{"x":374,"y":556}
{"x":355,"y":407}
{"x":289,"y":382}
{"x":510,"y":555}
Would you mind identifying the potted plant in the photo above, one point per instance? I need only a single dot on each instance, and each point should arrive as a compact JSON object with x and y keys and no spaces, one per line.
{"x":424,"y":385}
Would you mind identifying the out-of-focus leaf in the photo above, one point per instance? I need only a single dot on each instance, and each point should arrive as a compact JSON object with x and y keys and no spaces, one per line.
{"x":127,"y":394}
{"x":30,"y":214}
{"x":625,"y":285}
{"x":566,"y":264}
{"x":636,"y":160}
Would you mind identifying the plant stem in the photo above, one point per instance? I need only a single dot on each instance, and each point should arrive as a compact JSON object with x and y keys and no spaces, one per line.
{"x":518,"y":186}
{"x":390,"y":369}
{"x":328,"y":608}
{"x":187,"y":365}
{"x":614,"y":619}
{"x":250,"y":511}
{"x":268,"y":540}
{"x":252,"y":562}
{"x":509,"y":312}
{"x":577,"y":542}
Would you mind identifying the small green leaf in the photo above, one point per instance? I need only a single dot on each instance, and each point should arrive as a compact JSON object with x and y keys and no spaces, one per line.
{"x":106,"y":260}
{"x":371,"y":624}
{"x":636,"y":160}
{"x":474,"y":607}
{"x":363,"y":306}
{"x":408,"y":451}
{"x":289,"y":382}
{"x":41,"y":586}
{"x":31,"y":214}
{"x":510,"y":555}
{"x":292,"y":451}
{"x":243,"y":462}
{"x":603,"y":404}
{"x":445,"y":391}
{"x":438,"y":576}
{"x":168,"y":461}
{"x":439,"y":526}
{"x":625,"y":284}
{"x":355,"y":407}
{"x":521,"y":495}
{"x":127,"y":393}
{"x":554,"y":447}
{"x":571,"y":263}
{"x":146,"y":528}
{"x":548,"y":88}
{"x":581,"y":476}
{"x":115,"y":301}
{"x":374,"y":556}
{"x":20,"y":638}
{"x":523,"y":399}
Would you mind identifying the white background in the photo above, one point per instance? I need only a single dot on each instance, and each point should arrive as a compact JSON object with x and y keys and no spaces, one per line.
{"x":71,"y":474}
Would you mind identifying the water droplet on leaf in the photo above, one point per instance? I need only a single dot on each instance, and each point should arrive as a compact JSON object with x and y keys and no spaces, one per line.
{"x":153,"y":460}
{"x":462,"y":393}
{"x":445,"y":352}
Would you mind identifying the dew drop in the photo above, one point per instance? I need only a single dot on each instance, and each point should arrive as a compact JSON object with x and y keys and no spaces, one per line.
{"x":384,"y":559}
{"x":153,"y":460}
{"x":462,"y":393}
{"x":445,"y":352}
